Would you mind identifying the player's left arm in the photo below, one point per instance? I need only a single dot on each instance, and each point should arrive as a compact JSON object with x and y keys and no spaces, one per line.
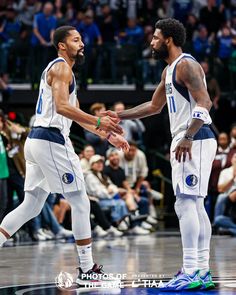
{"x":190,"y":74}
{"x":115,"y":139}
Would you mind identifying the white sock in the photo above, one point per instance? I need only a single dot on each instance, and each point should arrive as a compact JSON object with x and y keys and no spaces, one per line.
{"x":3,"y":239}
{"x":203,"y":260}
{"x":85,"y":257}
{"x":190,"y":260}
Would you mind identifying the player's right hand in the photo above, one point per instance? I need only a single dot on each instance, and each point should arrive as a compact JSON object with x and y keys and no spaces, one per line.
{"x":110,"y":124}
{"x":110,"y":114}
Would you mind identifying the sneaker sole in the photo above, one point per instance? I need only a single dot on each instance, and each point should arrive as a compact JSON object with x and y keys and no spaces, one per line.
{"x":191,"y":286}
{"x":208,"y":286}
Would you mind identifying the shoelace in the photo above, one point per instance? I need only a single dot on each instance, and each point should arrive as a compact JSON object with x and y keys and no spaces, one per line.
{"x":100,"y":268}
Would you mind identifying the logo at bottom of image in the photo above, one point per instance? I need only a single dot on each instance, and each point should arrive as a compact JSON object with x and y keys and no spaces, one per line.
{"x":64,"y":280}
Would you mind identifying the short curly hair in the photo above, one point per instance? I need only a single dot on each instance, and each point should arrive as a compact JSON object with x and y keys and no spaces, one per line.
{"x":171,"y":27}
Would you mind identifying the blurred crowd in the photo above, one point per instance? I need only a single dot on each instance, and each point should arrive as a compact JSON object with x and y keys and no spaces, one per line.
{"x":117,"y":35}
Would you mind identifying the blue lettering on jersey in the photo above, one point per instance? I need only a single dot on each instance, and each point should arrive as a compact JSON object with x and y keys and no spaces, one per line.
{"x":40,"y":103}
{"x":172,"y":104}
{"x":168,"y":87}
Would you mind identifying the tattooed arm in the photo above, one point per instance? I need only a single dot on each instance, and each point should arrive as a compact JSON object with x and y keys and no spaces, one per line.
{"x":190,"y":74}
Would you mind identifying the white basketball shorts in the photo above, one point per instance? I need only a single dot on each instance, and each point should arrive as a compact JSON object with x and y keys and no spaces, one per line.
{"x":192,"y":176}
{"x":51,"y":162}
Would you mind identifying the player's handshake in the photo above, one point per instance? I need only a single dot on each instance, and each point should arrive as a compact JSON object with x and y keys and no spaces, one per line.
{"x":109,"y":124}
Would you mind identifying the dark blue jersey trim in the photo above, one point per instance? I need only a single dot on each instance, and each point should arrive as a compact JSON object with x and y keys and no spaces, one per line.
{"x":181,"y":89}
{"x":72,"y":85}
{"x":51,"y":134}
{"x":54,"y":62}
{"x":204,"y":132}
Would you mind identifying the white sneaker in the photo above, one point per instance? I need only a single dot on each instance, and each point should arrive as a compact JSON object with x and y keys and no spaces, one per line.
{"x":114,"y":232}
{"x":146,"y":225}
{"x":64,"y":234}
{"x":49,"y":233}
{"x":99,"y":232}
{"x":123,"y":226}
{"x":137,"y":230}
{"x":151,"y":220}
{"x":40,"y":236}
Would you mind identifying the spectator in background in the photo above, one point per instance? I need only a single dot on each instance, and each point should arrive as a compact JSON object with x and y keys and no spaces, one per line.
{"x":224,"y":216}
{"x":100,"y":144}
{"x":43,"y":28}
{"x":5,"y":91}
{"x":70,"y":14}
{"x":91,"y":37}
{"x":213,"y":87}
{"x":227,"y":178}
{"x":212,"y":16}
{"x":9,"y":29}
{"x":4,"y":172}
{"x":78,"y":19}
{"x":133,"y":33}
{"x":222,"y":160}
{"x":117,"y":176}
{"x":87,"y":153}
{"x":133,"y":129}
{"x":181,"y":9}
{"x":108,"y":26}
{"x":134,"y":163}
{"x":99,"y":186}
{"x":202,"y":45}
{"x":27,"y":9}
{"x":233,"y":136}
{"x":59,"y":13}
{"x":165,"y":10}
{"x":191,"y":28}
{"x":225,"y":47}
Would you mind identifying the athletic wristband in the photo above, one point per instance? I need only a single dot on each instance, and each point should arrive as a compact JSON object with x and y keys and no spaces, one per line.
{"x":201,"y":114}
{"x":188,"y":137}
{"x":98,"y":122}
{"x":109,"y":135}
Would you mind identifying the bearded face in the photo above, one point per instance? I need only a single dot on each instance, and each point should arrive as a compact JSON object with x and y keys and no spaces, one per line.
{"x":79,"y":57}
{"x":161,"y":52}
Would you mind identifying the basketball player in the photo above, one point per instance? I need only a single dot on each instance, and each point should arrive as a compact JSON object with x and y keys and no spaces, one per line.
{"x":183,"y":89}
{"x":51,"y":162}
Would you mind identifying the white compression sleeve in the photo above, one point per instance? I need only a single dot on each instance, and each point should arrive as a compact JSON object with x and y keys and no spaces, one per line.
{"x":204,"y":236}
{"x":80,"y":214}
{"x":28,"y":209}
{"x":186,"y":210}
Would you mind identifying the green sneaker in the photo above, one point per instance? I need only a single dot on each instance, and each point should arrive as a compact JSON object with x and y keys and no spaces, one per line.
{"x":182,"y":281}
{"x":207,"y":282}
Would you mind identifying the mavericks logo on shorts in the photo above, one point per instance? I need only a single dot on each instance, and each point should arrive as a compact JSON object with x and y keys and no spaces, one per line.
{"x":67,"y":178}
{"x":191,"y":180}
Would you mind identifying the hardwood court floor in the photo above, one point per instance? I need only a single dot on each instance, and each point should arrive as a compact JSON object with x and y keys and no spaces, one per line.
{"x":141,"y":261}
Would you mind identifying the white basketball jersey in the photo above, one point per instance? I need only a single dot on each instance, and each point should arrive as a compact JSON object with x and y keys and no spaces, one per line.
{"x":179,"y":100}
{"x":46,"y":115}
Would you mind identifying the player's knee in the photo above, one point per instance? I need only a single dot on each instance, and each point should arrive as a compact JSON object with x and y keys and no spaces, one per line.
{"x":178,"y":209}
{"x":184,"y":205}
